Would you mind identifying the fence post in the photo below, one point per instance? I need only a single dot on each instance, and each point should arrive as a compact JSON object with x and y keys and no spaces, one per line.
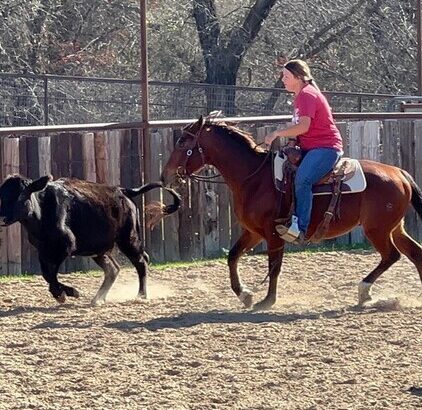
{"x":46,"y":100}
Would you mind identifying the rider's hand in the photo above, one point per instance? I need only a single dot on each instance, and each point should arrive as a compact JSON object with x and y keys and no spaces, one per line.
{"x":269,"y":138}
{"x":292,"y":142}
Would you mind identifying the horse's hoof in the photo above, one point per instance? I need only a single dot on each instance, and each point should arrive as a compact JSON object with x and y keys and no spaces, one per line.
{"x":363,"y":301}
{"x":364,"y":293}
{"x":263,"y":305}
{"x":61,"y":298}
{"x":97,"y":302}
{"x":246,"y":297}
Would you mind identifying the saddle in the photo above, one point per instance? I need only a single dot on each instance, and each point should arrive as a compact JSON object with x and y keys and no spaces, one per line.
{"x":346,"y":177}
{"x":352,"y":176}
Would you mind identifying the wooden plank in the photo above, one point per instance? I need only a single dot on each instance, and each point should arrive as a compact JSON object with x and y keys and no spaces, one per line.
{"x":210,"y":221}
{"x":75,"y":170}
{"x":171,"y":224}
{"x":76,"y":156}
{"x":3,"y":251}
{"x":136,"y":173}
{"x":197,"y":199}
{"x":78,"y":168}
{"x":407,"y":155}
{"x":61,"y":158}
{"x":154,"y":238}
{"x":343,"y":127}
{"x":371,"y":141}
{"x":101,"y":158}
{"x":185,"y":225}
{"x":23,"y":170}
{"x":44,"y":155}
{"x":418,"y":171}
{"x":113,"y":154}
{"x":185,"y":231}
{"x":88,"y":157}
{"x":355,"y":151}
{"x":43,"y":168}
{"x":136,"y":153}
{"x":64,"y":155}
{"x":390,"y":143}
{"x":125,"y":162}
{"x":13,"y":232}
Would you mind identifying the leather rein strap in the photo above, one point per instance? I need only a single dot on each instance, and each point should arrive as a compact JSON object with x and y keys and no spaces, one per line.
{"x":322,"y":228}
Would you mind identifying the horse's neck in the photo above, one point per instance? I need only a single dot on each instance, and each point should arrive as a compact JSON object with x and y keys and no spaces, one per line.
{"x":236,"y":166}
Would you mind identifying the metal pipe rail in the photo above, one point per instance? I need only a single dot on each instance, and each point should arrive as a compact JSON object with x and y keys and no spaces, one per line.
{"x":44,"y":129}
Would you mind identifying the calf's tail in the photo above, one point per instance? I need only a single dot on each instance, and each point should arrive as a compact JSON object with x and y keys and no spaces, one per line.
{"x":155,"y":210}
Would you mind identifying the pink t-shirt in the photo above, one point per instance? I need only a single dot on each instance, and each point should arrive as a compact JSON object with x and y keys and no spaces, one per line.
{"x":322,"y":132}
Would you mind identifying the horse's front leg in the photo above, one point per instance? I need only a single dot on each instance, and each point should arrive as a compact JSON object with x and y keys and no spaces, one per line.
{"x":275,"y":258}
{"x":246,"y":241}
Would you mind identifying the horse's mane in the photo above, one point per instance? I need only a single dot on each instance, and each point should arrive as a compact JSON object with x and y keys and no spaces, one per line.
{"x":235,"y":132}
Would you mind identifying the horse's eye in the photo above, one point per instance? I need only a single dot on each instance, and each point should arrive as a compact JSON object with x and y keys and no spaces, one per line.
{"x":181,"y":142}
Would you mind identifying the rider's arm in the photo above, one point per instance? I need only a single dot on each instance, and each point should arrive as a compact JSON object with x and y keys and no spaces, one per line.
{"x":300,"y":128}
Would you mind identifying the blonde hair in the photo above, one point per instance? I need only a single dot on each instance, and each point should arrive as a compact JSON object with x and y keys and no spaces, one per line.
{"x":301,"y":70}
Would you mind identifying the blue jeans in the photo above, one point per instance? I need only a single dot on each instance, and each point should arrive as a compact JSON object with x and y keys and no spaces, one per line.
{"x":315,"y":164}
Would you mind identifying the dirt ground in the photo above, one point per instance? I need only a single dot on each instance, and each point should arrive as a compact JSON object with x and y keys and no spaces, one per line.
{"x":191,"y":345}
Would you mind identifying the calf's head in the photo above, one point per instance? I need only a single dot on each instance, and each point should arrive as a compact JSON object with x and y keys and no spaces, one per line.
{"x":16,"y":203}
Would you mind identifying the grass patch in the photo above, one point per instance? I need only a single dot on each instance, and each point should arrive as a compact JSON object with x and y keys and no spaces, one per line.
{"x":9,"y":278}
{"x":333,"y":247}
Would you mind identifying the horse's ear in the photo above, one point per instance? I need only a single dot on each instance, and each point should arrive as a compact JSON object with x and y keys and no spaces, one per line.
{"x":201,"y":121}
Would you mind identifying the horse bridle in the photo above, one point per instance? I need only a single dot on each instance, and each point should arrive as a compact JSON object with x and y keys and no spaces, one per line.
{"x":195,"y":145}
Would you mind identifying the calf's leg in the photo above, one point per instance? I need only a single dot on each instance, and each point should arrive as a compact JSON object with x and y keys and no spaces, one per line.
{"x":49,"y":272}
{"x":133,"y":249}
{"x":111,"y":270}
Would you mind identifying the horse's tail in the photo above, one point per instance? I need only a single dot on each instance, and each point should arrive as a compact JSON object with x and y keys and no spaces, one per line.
{"x":416,"y":193}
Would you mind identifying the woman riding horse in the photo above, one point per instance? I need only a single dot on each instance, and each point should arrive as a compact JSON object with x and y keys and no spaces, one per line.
{"x":247,"y":170}
{"x":317,"y":136}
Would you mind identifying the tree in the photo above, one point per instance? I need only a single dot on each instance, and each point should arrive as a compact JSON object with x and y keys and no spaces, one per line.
{"x":222,"y":61}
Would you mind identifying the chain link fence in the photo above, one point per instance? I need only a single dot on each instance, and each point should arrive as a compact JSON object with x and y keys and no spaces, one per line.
{"x":54,"y":100}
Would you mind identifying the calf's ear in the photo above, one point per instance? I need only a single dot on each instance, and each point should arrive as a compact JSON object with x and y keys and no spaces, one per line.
{"x":39,"y":184}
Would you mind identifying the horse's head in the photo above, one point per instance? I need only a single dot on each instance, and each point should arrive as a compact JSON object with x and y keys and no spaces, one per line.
{"x":187,"y":156}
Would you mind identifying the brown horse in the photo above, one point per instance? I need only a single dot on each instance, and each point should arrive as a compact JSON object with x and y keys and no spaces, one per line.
{"x":247,"y":170}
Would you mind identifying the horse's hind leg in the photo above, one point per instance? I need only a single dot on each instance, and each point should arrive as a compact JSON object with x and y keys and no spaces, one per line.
{"x":381,"y":239}
{"x":246,"y":241}
{"x":408,"y":247}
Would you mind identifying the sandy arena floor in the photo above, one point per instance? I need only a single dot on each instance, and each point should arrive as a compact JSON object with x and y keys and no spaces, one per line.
{"x":192,"y":346}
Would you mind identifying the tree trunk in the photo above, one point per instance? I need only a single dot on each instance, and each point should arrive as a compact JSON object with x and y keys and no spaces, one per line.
{"x":222,"y":62}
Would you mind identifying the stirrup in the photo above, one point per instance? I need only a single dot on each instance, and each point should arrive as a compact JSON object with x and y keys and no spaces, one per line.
{"x":289,"y":233}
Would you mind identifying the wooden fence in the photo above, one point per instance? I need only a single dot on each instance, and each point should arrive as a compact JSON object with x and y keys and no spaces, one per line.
{"x":206,"y":226}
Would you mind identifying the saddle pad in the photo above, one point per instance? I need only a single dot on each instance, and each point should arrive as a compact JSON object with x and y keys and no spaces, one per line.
{"x":356,"y":183}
